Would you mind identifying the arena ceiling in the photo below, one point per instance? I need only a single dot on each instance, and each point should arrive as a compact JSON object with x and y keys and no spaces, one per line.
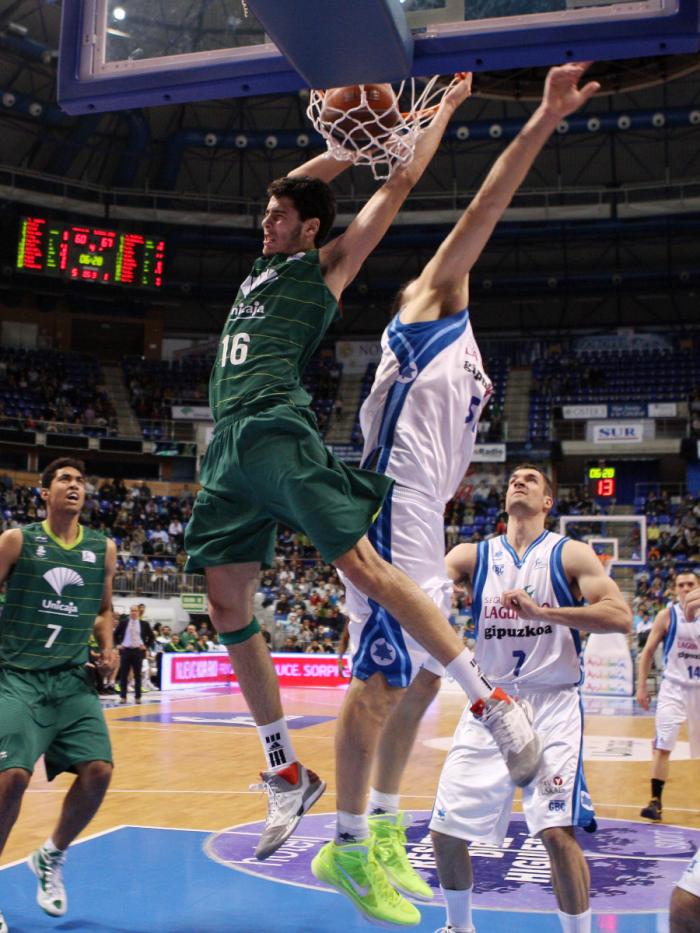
{"x":604,"y":232}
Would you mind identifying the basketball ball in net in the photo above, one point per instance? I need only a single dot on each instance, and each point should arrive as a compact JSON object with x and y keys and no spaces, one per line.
{"x":360,"y":113}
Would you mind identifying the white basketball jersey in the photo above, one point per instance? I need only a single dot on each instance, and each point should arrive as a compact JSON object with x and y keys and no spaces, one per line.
{"x":682,"y":649}
{"x":419,"y":420}
{"x":512,"y":651}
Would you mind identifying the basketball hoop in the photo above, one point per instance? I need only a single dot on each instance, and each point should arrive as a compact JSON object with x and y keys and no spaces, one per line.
{"x":384,"y":139}
{"x":608,"y":562}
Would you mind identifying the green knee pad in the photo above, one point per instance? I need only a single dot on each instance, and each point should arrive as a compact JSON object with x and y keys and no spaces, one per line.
{"x":243,"y":634}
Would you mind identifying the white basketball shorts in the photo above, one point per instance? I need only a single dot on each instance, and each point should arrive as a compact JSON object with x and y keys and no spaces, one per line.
{"x":690,"y":879}
{"x":675,"y":705}
{"x":410,"y":534}
{"x":475,"y":794}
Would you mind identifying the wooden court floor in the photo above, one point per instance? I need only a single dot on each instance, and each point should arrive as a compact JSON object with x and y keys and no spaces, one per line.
{"x":194,"y":772}
{"x":184,"y":763}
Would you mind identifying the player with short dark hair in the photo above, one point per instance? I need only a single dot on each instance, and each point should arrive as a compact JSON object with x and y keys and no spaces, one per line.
{"x":267,"y":463}
{"x":528,"y":588}
{"x":58,"y":577}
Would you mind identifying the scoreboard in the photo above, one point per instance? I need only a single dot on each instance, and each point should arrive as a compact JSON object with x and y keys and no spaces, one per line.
{"x":602,"y":481}
{"x":90,"y":254}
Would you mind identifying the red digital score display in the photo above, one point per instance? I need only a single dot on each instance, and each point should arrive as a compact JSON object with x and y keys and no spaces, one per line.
{"x":602,"y":481}
{"x":90,"y":254}
{"x":605,"y":488}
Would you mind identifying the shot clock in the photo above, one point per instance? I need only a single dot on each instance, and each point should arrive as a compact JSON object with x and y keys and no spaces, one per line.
{"x":602,"y":481}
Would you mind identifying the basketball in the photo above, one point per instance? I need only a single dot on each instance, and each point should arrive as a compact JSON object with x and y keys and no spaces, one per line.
{"x":360,"y":113}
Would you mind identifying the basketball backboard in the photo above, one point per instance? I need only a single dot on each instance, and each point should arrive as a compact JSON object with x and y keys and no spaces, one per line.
{"x":623,"y":538}
{"x":116,"y":54}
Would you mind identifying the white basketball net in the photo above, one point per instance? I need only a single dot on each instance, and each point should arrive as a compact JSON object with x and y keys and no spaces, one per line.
{"x":381,"y":147}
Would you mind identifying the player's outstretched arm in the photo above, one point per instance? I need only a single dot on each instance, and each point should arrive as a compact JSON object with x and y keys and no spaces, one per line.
{"x":342,"y":258}
{"x":443,"y":286}
{"x":323,"y":166}
{"x":656,"y":636}
{"x":10,"y":549}
{"x":606,"y":611}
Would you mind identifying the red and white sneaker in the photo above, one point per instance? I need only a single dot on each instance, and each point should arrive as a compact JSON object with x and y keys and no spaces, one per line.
{"x":509,"y":721}
{"x":290,"y":793}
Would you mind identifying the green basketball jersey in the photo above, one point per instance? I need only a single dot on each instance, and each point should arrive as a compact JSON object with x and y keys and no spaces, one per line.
{"x":53,"y":596}
{"x":280,"y":314}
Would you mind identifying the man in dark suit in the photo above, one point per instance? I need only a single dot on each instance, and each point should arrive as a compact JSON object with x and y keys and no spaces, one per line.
{"x":134,"y":636}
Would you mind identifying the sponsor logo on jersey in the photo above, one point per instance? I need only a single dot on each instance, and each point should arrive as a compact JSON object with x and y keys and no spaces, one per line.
{"x":527,"y":631}
{"x":89,"y":557}
{"x":59,"y":578}
{"x":539,"y":564}
{"x":56,"y":606}
{"x":383,"y":653}
{"x":479,"y":376}
{"x":408,"y":373}
{"x":498,"y":569}
{"x":550,"y":787}
{"x":243,"y":311}
{"x":557,"y":806}
{"x":254,"y":281}
{"x":41,"y":551}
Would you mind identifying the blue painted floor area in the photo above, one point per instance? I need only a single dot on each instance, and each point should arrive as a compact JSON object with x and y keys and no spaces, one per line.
{"x":141,"y":880}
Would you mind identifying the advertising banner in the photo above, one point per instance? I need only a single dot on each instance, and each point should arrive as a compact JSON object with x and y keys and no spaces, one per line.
{"x":583,"y":412}
{"x":627,"y":410}
{"x":191,"y":413}
{"x":356,"y":354}
{"x":489,"y":453}
{"x":662,"y":409}
{"x":293,"y":670}
{"x":619,"y":432}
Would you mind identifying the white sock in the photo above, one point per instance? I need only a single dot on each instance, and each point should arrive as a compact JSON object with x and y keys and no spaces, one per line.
{"x":382,"y":803}
{"x":351,"y":827}
{"x":465,"y":671}
{"x":575,"y":923}
{"x":51,"y":846}
{"x":459,"y":908}
{"x":277,"y":745}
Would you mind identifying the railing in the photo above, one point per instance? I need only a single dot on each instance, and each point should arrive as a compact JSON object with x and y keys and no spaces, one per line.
{"x":149,"y":583}
{"x":247,"y":210}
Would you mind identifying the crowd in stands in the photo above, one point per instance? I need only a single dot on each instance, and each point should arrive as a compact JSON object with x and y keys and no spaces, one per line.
{"x":300,"y":599}
{"x":54,"y":392}
{"x":156,"y":385}
{"x":673,"y":544}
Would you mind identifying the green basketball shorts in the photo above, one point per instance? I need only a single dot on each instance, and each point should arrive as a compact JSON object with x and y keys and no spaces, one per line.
{"x":51,"y":713}
{"x":270,"y":467}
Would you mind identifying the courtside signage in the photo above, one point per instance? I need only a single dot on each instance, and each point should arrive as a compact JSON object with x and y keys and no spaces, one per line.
{"x":293,"y":670}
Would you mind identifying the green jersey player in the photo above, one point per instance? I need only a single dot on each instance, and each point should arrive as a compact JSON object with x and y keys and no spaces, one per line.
{"x":267,"y":464}
{"x":58,"y":578}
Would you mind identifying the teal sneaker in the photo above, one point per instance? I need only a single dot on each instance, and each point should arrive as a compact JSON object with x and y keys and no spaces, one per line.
{"x":50,"y":892}
{"x":354,"y":871}
{"x":388,"y":833}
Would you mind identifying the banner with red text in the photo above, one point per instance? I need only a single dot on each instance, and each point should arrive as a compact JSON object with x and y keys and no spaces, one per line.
{"x":293,"y":670}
